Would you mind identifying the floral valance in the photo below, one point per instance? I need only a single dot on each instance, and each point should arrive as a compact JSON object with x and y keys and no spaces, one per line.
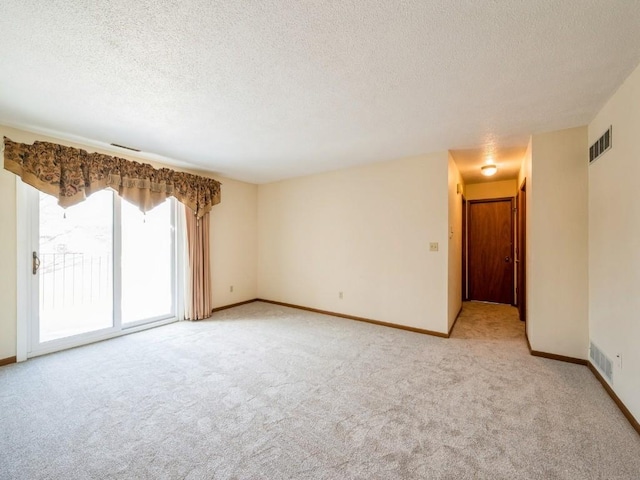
{"x":72,"y":174}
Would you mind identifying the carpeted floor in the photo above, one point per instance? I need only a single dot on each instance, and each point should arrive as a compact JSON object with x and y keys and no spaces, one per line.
{"x":262,"y":391}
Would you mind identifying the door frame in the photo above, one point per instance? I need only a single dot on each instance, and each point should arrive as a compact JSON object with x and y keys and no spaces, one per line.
{"x":26,"y":227}
{"x":521,"y":255}
{"x":23,"y":276}
{"x":465,"y":284}
{"x":468,"y":250}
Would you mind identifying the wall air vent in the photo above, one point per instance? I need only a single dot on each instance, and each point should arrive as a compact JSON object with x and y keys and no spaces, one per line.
{"x":600,"y":146}
{"x":602,"y":362}
{"x":126,"y":148}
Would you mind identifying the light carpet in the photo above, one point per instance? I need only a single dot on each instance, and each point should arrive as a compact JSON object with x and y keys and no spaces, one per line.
{"x":263,"y":391}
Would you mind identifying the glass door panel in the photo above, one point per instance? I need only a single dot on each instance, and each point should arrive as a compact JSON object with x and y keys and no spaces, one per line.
{"x":75,"y":278}
{"x":147,"y":263}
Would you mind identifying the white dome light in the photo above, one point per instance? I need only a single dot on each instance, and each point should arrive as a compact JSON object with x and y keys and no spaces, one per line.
{"x":488,"y":170}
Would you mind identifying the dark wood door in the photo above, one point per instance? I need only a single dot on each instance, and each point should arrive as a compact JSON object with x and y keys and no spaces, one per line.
{"x":521,"y":256}
{"x":491,"y":250}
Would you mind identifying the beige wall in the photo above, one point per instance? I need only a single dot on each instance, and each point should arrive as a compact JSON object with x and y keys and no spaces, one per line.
{"x":525,"y":167}
{"x":233,"y":244}
{"x":8,"y":283}
{"x":455,"y":243}
{"x":557,"y":281}
{"x":525,"y":175}
{"x":482,"y":191}
{"x":614,"y":241}
{"x":364,"y":232}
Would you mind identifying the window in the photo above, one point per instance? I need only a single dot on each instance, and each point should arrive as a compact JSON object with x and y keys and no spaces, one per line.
{"x":147,"y":263}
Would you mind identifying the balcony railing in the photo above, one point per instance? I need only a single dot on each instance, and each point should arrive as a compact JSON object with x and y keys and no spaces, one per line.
{"x":72,"y":279}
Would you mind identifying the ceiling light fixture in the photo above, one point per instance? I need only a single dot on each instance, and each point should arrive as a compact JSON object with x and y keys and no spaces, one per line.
{"x":488,"y":170}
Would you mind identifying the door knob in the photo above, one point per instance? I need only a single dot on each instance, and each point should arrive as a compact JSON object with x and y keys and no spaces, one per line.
{"x":507,"y":259}
{"x":35,"y":264}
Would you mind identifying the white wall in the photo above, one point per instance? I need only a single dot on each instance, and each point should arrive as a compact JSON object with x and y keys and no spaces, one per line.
{"x":365,"y":232}
{"x":233,"y":249}
{"x":614,"y":240}
{"x":485,"y":190}
{"x":557,"y":253}
{"x":455,"y":243}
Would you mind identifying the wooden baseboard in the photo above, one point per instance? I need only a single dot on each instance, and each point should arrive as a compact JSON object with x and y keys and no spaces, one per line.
{"x":625,"y":411}
{"x":562,"y":358}
{"x":359,"y":319}
{"x":454,"y":322}
{"x":7,"y":361}
{"x":217,"y":309}
{"x":553,"y":356}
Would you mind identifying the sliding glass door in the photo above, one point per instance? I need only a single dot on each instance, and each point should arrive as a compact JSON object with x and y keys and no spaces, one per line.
{"x":75,"y":271}
{"x":98,"y":269}
{"x":147,"y":263}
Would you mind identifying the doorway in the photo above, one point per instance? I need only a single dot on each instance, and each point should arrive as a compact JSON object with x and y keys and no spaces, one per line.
{"x":490,"y":250}
{"x":98,"y":269}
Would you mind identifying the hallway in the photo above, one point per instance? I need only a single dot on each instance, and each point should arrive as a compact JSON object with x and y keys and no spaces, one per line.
{"x":489,"y":321}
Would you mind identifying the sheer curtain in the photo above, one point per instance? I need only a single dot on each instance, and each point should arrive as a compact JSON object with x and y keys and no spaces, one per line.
{"x":198,"y":272}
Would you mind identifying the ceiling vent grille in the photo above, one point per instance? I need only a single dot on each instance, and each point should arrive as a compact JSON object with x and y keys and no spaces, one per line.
{"x":601,"y":361}
{"x":126,"y":148}
{"x":600,"y":146}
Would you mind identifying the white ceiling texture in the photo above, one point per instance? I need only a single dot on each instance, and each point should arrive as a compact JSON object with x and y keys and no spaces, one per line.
{"x":265,"y":90}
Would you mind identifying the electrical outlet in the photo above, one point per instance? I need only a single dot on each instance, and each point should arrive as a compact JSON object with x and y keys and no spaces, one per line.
{"x":433,"y":247}
{"x":340,"y":295}
{"x":231,"y":288}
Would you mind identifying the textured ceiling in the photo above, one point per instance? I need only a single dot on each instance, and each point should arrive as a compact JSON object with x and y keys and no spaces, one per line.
{"x":507,"y":159}
{"x":266,"y":90}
